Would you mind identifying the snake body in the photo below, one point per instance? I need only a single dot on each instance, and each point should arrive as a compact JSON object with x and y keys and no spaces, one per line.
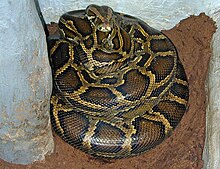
{"x":119,"y":86}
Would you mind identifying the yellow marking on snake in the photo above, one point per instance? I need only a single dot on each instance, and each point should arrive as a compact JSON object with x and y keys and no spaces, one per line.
{"x":118,"y":96}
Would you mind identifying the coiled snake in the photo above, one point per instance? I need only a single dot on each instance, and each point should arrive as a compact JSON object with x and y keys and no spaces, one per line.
{"x":119,"y":86}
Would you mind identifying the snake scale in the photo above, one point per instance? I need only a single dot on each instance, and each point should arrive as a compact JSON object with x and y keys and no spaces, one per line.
{"x":119,"y":88}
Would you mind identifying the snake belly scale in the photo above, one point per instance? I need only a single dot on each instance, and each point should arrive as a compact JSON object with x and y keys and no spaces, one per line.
{"x":119,"y":88}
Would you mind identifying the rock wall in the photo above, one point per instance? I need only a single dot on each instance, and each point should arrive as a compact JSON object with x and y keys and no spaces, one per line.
{"x":25,"y":84}
{"x":211,"y":154}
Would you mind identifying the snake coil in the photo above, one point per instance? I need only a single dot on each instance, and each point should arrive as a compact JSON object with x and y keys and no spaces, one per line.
{"x":119,"y":86}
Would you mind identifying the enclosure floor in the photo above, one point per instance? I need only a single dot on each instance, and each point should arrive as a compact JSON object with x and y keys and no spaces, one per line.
{"x":183,"y":149}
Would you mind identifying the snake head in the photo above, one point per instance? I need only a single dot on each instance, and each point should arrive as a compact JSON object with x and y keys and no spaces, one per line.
{"x":101,"y":16}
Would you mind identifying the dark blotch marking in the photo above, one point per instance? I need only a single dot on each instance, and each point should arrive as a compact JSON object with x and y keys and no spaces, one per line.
{"x":137,"y":46}
{"x":69,"y":32}
{"x":60,"y":56}
{"x":116,"y":42}
{"x":135,"y":85}
{"x":161,"y":45}
{"x":87,"y":77}
{"x":127,"y":28}
{"x":75,"y":126}
{"x":89,"y":42}
{"x":149,"y":134}
{"x":144,"y":59}
{"x":83,"y":26}
{"x":101,"y":36}
{"x":68,"y":81}
{"x":180,"y":74}
{"x":109,"y":80}
{"x":100,"y":96}
{"x":138,"y":34}
{"x":126,"y":41}
{"x":171,"y":110}
{"x":161,"y":66}
{"x":105,"y":57}
{"x":180,"y":90}
{"x":107,"y":138}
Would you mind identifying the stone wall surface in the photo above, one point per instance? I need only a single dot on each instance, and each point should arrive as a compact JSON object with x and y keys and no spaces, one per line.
{"x":25,"y":84}
{"x":211,"y":154}
{"x":160,"y":14}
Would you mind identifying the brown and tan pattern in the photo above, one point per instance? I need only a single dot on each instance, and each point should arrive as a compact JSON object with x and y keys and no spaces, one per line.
{"x":119,"y":86}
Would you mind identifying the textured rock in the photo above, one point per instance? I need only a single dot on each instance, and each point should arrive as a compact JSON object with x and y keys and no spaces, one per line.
{"x":160,"y":14}
{"x":211,"y":153}
{"x":25,"y":84}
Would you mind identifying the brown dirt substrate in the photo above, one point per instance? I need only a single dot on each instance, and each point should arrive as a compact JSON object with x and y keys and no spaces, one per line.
{"x":183,"y":149}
